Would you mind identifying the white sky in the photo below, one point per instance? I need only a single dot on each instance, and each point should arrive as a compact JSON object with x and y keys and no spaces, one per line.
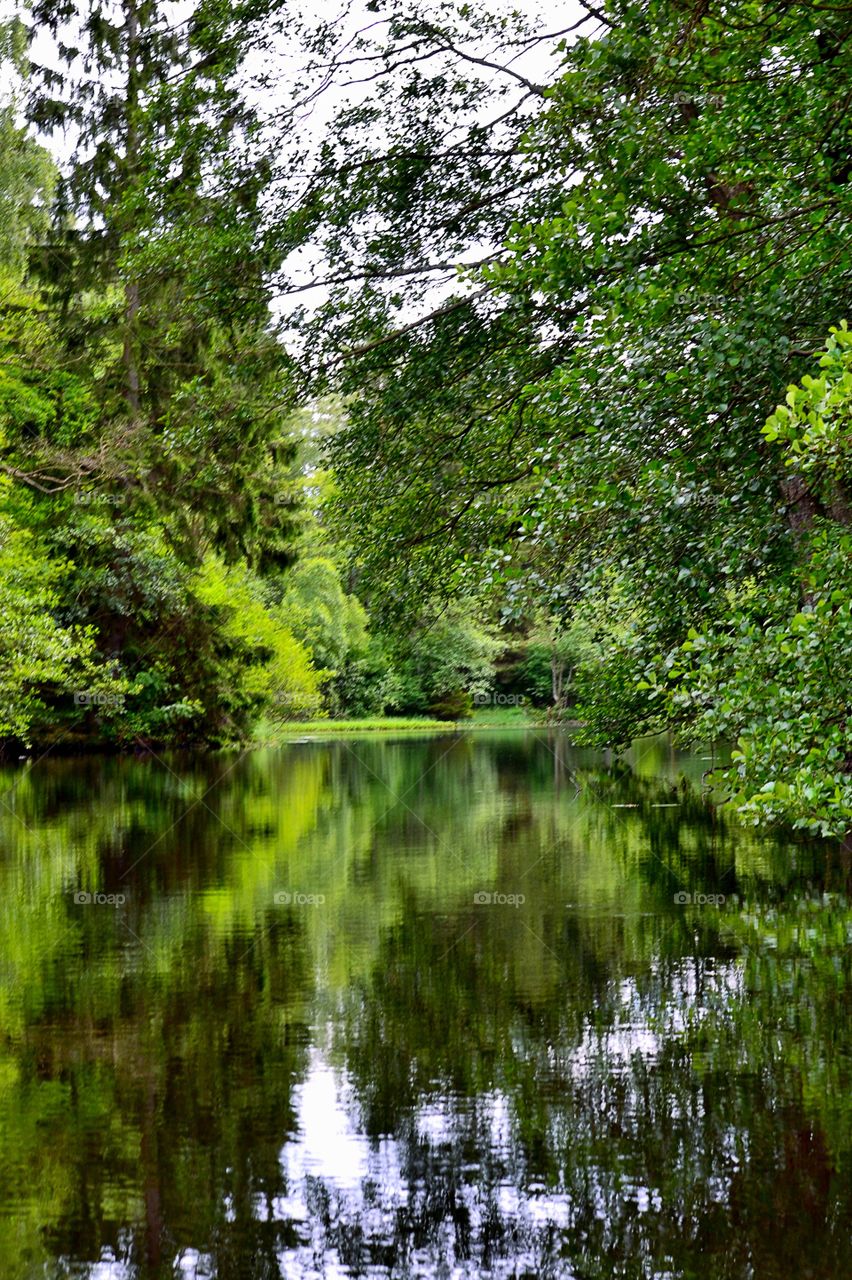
{"x":537,"y":65}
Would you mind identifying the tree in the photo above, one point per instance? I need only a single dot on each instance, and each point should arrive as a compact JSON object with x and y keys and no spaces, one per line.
{"x":145,"y":395}
{"x":675,"y":244}
{"x":156,"y":270}
{"x":554,"y":652}
{"x":444,"y":658}
{"x":661,"y":316}
{"x":773,"y":676}
{"x":40,"y":659}
{"x":331,"y":623}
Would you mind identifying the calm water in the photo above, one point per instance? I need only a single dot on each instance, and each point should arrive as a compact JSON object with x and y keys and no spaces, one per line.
{"x":287,"y":1037}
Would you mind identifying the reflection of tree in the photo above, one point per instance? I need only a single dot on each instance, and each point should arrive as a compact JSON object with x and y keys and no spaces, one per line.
{"x":445,"y":1222}
{"x":157,"y":1045}
{"x":648,"y":1090}
{"x":597,"y":1082}
{"x":170,"y":1105}
{"x":649,"y":1151}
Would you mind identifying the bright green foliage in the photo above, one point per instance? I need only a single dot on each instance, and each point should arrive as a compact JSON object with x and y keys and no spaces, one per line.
{"x":315,"y":607}
{"x":265,"y":663}
{"x":815,"y":424}
{"x":143,"y":394}
{"x":775,"y":678}
{"x":40,"y":659}
{"x":27,"y":179}
{"x":776,"y":681}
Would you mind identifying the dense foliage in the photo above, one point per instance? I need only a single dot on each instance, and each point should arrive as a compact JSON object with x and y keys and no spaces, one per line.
{"x":576,"y":422}
{"x":144,"y":396}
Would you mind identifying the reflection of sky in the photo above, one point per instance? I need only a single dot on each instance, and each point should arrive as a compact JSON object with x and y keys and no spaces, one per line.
{"x":328,"y":1144}
{"x":368,"y":1178}
{"x":366,"y":1183}
{"x":107,"y":1269}
{"x":684,"y":995}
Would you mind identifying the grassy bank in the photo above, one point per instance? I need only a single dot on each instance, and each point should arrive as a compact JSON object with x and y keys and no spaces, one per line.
{"x":483,"y":718}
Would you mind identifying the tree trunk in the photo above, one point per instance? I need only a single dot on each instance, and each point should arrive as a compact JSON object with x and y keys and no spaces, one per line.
{"x":802,"y":506}
{"x":557,"y":676}
{"x":131,"y":160}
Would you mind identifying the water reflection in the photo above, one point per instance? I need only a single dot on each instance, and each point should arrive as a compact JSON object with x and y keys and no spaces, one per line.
{"x":416,"y":1007}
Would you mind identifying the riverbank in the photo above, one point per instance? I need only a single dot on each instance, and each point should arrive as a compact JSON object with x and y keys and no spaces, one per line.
{"x":484,"y":718}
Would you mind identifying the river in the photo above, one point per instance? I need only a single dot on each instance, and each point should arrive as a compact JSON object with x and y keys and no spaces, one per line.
{"x":480,"y":1004}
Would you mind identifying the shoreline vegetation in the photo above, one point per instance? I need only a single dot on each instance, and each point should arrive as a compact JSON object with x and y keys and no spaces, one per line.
{"x":269,"y":735}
